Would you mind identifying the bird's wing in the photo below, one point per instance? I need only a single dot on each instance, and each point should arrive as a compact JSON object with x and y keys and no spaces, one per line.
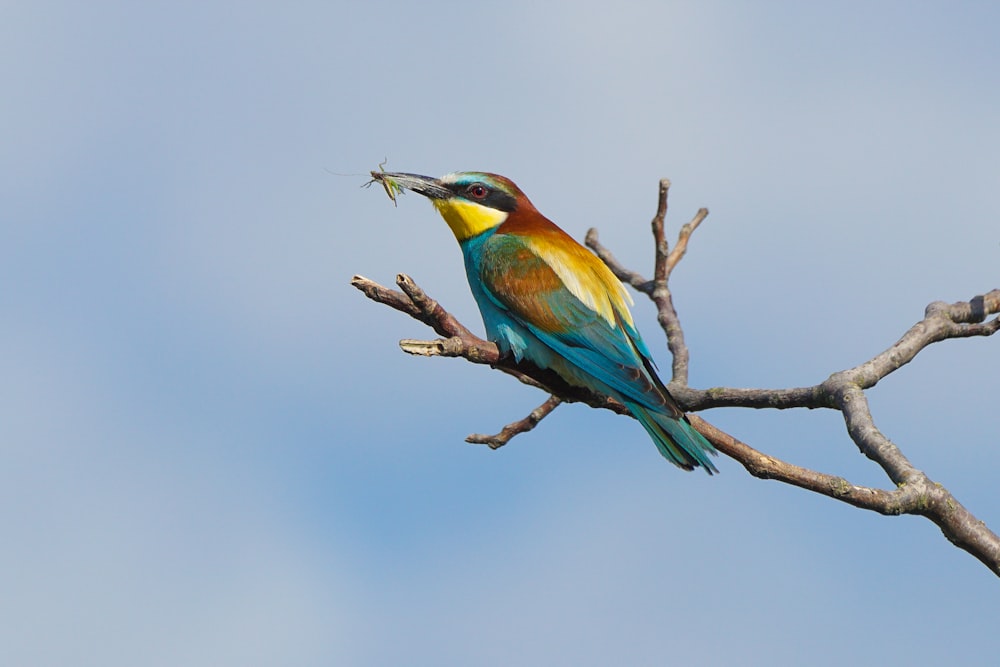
{"x":568,"y":299}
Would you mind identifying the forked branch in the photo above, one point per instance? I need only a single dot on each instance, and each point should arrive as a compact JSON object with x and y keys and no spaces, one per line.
{"x":913,"y":492}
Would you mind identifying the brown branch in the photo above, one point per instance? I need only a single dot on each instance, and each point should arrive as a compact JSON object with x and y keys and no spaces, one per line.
{"x":869,"y":439}
{"x":658,"y":289}
{"x":414,"y":302}
{"x":914,"y":492}
{"x":680,"y":249}
{"x":389,"y":297}
{"x":919,"y":495}
{"x":661,"y":266}
{"x":516,"y":428}
{"x":460,"y":342}
{"x":941,"y":322}
{"x":735,"y":397}
{"x":764,"y":466}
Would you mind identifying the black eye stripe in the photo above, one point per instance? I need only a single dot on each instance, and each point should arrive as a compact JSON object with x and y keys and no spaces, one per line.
{"x":495,"y":198}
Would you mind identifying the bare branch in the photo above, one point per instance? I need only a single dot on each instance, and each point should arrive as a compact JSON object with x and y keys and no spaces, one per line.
{"x":415,"y":303}
{"x":734,"y":397}
{"x":460,"y":342}
{"x":918,"y":495}
{"x":433,"y":314}
{"x":914,"y":492}
{"x":661,"y":270}
{"x":680,"y":249}
{"x":456,"y":346}
{"x":941,"y":322}
{"x":763,"y":466}
{"x":389,"y":297}
{"x":658,"y":289}
{"x":869,"y":439}
{"x":516,"y":428}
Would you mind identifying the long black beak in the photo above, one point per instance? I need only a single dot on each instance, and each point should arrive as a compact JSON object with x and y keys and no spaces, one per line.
{"x":424,"y":185}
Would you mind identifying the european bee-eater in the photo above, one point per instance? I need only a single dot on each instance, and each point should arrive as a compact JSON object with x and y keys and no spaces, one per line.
{"x":547,"y":299}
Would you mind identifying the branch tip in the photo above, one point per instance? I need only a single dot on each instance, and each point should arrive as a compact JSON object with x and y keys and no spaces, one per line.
{"x":516,"y":428}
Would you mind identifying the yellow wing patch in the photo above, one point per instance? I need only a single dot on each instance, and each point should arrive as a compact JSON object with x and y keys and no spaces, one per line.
{"x":585,"y":276}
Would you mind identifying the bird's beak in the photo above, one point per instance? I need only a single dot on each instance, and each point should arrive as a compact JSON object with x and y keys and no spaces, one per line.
{"x":429,"y":187}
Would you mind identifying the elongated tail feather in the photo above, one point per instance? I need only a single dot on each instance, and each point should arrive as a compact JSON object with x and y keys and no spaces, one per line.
{"x":676,"y":439}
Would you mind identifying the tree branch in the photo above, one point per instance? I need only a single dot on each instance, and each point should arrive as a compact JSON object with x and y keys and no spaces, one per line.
{"x":460,"y":342}
{"x":914,"y":492}
{"x":919,"y":496}
{"x":763,"y":466}
{"x":516,"y":428}
{"x":657,"y":289}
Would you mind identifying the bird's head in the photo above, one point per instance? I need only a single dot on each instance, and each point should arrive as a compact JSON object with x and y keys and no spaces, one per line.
{"x":471,"y":202}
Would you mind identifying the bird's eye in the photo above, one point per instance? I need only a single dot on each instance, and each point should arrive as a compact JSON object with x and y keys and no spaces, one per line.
{"x":478,"y":191}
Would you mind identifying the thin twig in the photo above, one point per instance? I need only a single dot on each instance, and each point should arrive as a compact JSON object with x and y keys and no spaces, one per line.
{"x":680,"y":248}
{"x":662,"y":250}
{"x":516,"y":428}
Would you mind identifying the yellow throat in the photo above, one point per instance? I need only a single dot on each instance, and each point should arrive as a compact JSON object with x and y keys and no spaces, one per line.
{"x":466,"y":218}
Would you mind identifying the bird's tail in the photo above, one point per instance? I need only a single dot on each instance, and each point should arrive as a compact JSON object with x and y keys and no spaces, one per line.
{"x":675,"y":438}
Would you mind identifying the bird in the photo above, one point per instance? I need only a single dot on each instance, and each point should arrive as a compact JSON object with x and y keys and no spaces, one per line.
{"x":547,"y":299}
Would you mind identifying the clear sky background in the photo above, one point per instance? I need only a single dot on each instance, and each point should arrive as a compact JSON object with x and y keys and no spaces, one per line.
{"x":213,"y":453}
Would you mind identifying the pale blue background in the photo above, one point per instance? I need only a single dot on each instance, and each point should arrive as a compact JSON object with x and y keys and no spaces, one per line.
{"x":213,"y":452}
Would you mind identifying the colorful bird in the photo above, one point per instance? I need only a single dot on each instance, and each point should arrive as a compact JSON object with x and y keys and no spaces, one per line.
{"x":547,"y":299}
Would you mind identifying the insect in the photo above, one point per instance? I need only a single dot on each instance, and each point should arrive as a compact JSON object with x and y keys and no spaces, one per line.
{"x":391,"y":187}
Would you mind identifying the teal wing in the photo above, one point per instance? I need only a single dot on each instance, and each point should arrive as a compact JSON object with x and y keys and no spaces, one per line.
{"x":530,"y":292}
{"x":583,"y":346}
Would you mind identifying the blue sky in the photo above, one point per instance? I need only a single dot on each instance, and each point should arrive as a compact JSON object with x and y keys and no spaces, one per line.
{"x":213,"y":452}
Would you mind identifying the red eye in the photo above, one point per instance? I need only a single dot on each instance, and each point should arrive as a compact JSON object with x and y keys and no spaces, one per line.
{"x":478,"y":190}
